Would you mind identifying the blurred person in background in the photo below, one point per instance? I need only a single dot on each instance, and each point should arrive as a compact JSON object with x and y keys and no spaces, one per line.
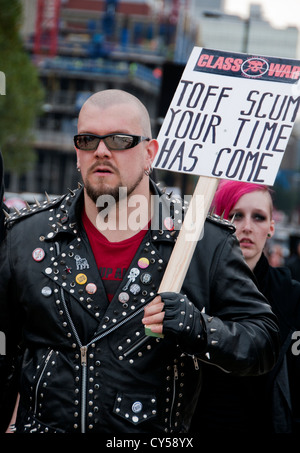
{"x":293,"y":262}
{"x":276,"y":256}
{"x":269,"y":403}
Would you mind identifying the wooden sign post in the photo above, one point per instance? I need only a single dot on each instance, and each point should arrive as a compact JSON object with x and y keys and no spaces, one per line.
{"x":183,"y":250}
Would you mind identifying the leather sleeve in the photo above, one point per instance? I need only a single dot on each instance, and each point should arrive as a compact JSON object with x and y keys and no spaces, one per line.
{"x":241,"y":330}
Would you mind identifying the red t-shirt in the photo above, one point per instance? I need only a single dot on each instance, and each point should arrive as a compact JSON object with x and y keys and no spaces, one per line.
{"x":112,"y":258}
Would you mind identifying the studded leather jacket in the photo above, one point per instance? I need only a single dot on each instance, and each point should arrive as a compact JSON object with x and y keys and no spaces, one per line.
{"x":86,"y":365}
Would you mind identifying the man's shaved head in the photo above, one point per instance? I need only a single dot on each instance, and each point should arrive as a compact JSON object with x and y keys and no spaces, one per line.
{"x":107,"y":98}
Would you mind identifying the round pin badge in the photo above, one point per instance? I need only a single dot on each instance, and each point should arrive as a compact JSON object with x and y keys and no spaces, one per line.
{"x":146,"y":278}
{"x":123,"y":297}
{"x":143,"y":263}
{"x":91,"y":288}
{"x":135,"y":288}
{"x":38,"y":254}
{"x":46,"y":291}
{"x":81,"y":279}
{"x":137,"y":407}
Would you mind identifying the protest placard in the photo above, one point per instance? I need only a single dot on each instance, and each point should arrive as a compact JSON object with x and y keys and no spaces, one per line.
{"x":231,"y":118}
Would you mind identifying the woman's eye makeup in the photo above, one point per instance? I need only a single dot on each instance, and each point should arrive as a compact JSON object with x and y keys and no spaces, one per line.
{"x":255,"y":216}
{"x":259,"y":217}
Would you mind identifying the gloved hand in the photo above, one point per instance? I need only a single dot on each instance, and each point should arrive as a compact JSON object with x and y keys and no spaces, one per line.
{"x":174,"y":314}
{"x":182,"y":319}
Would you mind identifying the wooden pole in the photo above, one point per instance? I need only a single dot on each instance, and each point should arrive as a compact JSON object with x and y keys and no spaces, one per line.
{"x":189,"y":234}
{"x":188,"y":237}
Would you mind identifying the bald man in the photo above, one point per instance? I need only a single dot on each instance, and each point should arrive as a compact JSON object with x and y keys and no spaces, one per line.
{"x":79,"y":283}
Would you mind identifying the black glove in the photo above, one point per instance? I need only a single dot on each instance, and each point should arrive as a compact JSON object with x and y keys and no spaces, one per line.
{"x":183,"y":319}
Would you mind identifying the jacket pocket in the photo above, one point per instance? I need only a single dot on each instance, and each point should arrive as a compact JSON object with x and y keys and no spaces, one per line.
{"x":40,"y":383}
{"x":138,"y":346}
{"x":136,"y":408}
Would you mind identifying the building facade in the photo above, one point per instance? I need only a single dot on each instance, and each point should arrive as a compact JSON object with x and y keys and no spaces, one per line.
{"x":100,"y":44}
{"x":96,"y":45}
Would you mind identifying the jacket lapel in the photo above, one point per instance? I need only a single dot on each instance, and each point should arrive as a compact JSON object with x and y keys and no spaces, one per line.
{"x":75,"y":271}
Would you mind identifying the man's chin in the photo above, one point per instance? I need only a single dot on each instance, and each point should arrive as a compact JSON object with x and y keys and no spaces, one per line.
{"x":119,"y":191}
{"x":101,"y":190}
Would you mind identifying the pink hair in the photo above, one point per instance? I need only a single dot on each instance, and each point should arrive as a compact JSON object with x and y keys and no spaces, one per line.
{"x":229,"y":192}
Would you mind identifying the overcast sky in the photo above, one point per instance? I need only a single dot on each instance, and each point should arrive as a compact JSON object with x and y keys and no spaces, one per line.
{"x":278,"y":12}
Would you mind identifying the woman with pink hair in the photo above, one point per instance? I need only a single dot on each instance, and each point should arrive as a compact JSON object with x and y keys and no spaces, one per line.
{"x":269,"y":403}
{"x":251,"y":207}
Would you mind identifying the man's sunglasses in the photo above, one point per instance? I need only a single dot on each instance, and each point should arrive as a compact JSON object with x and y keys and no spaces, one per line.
{"x":90,"y":142}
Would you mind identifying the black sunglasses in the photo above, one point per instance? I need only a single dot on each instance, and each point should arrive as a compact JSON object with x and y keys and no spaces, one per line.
{"x":90,"y":142}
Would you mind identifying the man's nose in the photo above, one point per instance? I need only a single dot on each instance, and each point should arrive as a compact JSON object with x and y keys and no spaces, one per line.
{"x":102,"y":150}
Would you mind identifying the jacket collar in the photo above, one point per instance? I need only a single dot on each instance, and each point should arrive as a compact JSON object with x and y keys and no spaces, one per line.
{"x":167,"y":218}
{"x":168,"y":215}
{"x":65,"y":217}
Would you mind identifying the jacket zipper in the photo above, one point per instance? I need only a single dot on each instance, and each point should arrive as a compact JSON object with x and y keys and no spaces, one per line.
{"x":83,"y":353}
{"x":214,"y":364}
{"x":39,"y":380}
{"x":175,"y":378}
{"x":84,"y":348}
{"x":196,"y":363}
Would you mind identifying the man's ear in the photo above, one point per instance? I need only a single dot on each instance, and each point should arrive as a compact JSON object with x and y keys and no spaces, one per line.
{"x":152,"y":150}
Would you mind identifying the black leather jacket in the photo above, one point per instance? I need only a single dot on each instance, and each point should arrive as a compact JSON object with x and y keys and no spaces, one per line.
{"x":87,"y":365}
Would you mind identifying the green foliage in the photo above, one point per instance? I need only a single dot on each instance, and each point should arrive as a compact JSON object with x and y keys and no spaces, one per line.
{"x":23,"y":99}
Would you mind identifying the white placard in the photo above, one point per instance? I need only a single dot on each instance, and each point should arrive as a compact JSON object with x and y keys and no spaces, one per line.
{"x":231,"y":116}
